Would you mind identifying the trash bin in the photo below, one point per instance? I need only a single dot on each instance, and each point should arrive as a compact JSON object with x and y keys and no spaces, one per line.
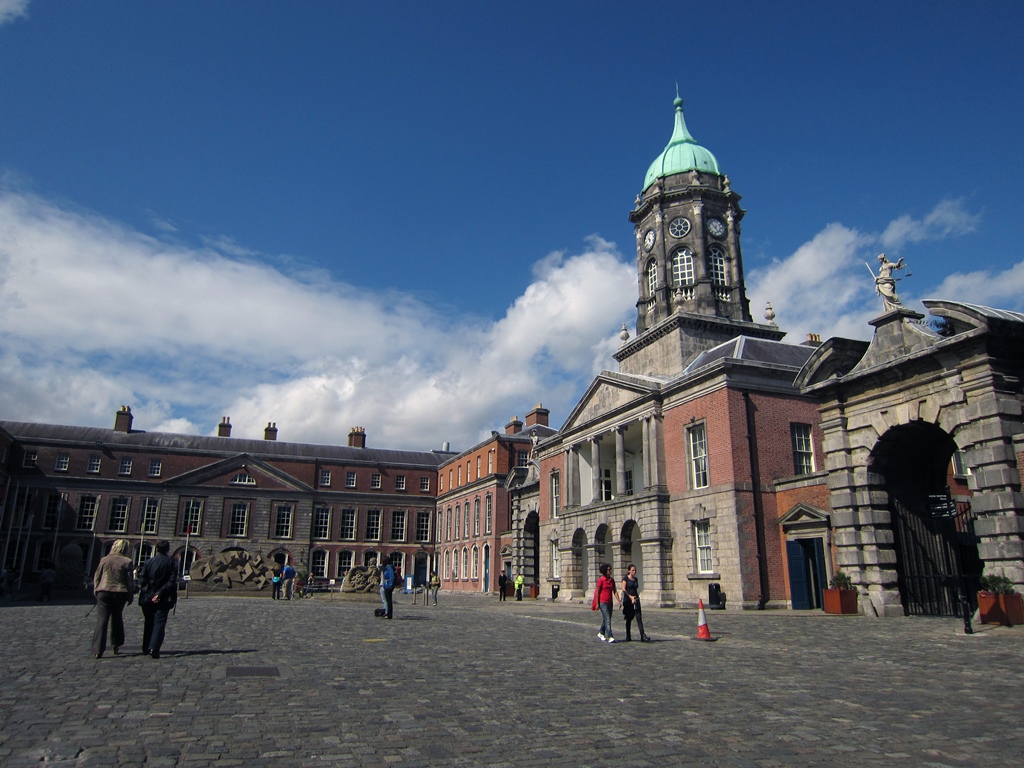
{"x":715,"y":595}
{"x":554,"y":591}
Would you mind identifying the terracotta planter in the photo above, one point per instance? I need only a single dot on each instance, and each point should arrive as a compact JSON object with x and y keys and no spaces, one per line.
{"x":840,"y":601}
{"x":1007,"y":610}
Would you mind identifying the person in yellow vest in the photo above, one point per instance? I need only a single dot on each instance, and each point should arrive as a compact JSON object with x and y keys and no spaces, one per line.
{"x":519,"y":587}
{"x":435,"y":585}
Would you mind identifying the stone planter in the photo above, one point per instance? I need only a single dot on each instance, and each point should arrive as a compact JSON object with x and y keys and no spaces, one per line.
{"x":1007,"y":610}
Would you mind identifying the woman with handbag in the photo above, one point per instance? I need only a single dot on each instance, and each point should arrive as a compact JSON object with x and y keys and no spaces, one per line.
{"x":631,"y":603}
{"x":604,"y":593}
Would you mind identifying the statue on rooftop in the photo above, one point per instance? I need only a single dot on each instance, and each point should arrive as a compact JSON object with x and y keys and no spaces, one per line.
{"x":885,"y":283}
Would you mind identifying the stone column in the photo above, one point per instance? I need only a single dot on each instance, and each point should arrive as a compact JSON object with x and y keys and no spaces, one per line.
{"x":620,"y":462}
{"x":595,"y":465}
{"x":645,"y":450}
{"x":574,"y":475}
{"x":657,"y":472}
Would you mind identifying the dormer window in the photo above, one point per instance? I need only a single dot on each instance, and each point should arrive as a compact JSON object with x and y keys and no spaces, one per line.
{"x":243,"y":478}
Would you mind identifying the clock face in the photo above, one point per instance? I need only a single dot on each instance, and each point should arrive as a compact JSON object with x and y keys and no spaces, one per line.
{"x":649,"y":240}
{"x":679,"y":227}
{"x":716,"y":227}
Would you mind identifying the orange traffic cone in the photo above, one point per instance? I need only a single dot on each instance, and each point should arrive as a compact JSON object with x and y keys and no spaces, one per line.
{"x":703,"y":633}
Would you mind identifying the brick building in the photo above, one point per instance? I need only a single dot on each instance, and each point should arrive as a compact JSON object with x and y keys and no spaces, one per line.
{"x":476,"y":537}
{"x":322,"y":508}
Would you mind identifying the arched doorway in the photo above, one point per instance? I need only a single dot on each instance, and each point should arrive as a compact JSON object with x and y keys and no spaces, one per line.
{"x":937,"y":563}
{"x":420,"y":569}
{"x":531,"y":549}
{"x":631,"y":552}
{"x":579,"y":562}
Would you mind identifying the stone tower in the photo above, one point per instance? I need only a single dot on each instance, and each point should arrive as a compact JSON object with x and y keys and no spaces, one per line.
{"x":689,"y":264}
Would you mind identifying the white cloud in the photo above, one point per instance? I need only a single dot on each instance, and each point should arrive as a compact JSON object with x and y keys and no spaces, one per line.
{"x":94,"y":315}
{"x":12,"y":9}
{"x":825,"y":286}
{"x":994,"y":289}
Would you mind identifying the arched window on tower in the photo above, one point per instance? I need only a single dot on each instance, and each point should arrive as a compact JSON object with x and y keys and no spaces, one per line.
{"x":718,"y":275}
{"x":652,"y":278}
{"x":682,"y":271}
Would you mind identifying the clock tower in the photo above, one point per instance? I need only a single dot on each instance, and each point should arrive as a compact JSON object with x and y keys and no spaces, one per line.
{"x":689,"y":265}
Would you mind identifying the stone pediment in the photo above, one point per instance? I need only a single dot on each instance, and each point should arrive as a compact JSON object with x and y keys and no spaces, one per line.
{"x":241,"y":472}
{"x":803,"y":515}
{"x":609,"y":393}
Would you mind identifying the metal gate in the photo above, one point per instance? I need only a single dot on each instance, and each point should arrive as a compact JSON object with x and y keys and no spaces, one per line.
{"x":936,"y":555}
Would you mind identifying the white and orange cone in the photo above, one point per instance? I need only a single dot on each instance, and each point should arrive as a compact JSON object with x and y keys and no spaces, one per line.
{"x":703,"y":633}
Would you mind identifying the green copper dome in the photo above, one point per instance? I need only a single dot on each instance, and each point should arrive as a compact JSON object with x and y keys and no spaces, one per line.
{"x":682,"y":154}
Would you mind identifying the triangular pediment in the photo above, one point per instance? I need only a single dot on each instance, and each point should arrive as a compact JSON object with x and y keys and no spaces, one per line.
{"x":802,"y":515}
{"x":607,"y":394}
{"x":242,"y":472}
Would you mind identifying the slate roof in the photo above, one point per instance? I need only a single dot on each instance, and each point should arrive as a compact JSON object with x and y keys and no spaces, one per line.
{"x":221,"y":446}
{"x":774,"y":353}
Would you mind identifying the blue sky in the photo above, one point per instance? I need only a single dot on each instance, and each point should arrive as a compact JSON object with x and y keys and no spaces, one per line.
{"x":412,"y":217}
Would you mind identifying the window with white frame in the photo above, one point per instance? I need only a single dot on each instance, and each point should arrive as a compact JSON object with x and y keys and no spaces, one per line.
{"x":717,"y":258}
{"x":697,"y":444}
{"x":321,"y":522}
{"x":522,"y":458}
{"x":29,"y":459}
{"x":556,"y":561}
{"x":803,"y":449}
{"x":192,"y":516}
{"x":629,"y":482}
{"x":652,"y":278}
{"x":555,"y":483}
{"x":460,"y":474}
{"x":450,"y":567}
{"x":142,"y":553}
{"x":283,"y":521}
{"x":490,"y":461}
{"x":238,"y":523}
{"x":397,"y":525}
{"x":345,"y":558}
{"x":465,"y":563}
{"x":425,"y":484}
{"x":476,"y":517}
{"x":375,"y":480}
{"x":63,"y":462}
{"x":86,"y":513}
{"x":423,"y":526}
{"x":682,"y":268}
{"x":243,"y":478}
{"x":399,"y":482}
{"x":325,"y":481}
{"x":150,"y":515}
{"x":156,"y":467}
{"x":373,"y":525}
{"x":125,"y":466}
{"x":702,"y":546}
{"x":488,"y":513}
{"x":458,"y":521}
{"x":448,"y":526}
{"x":348,"y":525}
{"x":350,"y":479}
{"x":93,"y":465}
{"x":465,"y":520}
{"x":476,"y":563}
{"x":319,"y":564}
{"x":479,"y":460}
{"x":118,"y":521}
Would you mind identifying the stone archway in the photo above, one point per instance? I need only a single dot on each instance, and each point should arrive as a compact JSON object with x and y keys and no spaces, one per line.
{"x":933,"y":539}
{"x":631,"y":553}
{"x":578,"y":563}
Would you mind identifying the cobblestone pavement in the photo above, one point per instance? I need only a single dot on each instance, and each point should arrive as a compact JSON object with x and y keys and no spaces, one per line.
{"x":475,"y":682}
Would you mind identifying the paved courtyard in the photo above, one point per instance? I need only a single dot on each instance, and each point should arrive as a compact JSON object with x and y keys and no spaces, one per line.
{"x":475,"y":682}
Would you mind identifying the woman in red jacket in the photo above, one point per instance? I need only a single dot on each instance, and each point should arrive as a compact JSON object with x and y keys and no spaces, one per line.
{"x":604,"y":593}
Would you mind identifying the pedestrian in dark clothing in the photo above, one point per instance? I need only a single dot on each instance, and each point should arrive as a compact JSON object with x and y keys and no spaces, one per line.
{"x":631,"y":603}
{"x":157,"y":595}
{"x":46,"y":579}
{"x":502,"y":583}
{"x":387,"y":583}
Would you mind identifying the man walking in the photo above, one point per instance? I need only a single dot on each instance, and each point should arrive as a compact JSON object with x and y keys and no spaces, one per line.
{"x":502,"y":583}
{"x":387,"y":584}
{"x":158,"y":591}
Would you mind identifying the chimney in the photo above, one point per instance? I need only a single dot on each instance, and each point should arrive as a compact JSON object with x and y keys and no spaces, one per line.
{"x":270,"y":433}
{"x":538,"y":416}
{"x":224,"y":428}
{"x":357,"y":437}
{"x":514,"y":427}
{"x":813,"y":340}
{"x":123,"y":420}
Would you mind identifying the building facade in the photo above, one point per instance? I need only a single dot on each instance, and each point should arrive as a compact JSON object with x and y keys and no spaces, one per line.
{"x":321,"y":508}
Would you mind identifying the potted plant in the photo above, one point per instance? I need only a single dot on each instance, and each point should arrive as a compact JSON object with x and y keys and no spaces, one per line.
{"x":840,"y":597}
{"x":999,"y":602}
